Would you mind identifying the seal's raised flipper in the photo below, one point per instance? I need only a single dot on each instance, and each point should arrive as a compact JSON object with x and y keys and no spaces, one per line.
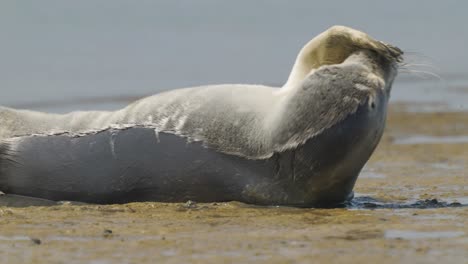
{"x":333,"y":46}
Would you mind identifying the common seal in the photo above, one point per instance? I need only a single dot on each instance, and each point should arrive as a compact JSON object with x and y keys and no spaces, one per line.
{"x":301,"y":145}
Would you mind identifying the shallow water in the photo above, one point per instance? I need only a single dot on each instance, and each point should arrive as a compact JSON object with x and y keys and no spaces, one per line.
{"x":411,"y":200}
{"x":424,"y":139}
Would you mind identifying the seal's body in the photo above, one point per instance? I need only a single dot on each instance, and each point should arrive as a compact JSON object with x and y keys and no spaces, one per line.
{"x":303,"y":144}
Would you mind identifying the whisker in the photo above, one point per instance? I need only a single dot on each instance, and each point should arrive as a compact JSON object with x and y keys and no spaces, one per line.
{"x":423,"y":74}
{"x":411,"y":54}
{"x":420,"y":65}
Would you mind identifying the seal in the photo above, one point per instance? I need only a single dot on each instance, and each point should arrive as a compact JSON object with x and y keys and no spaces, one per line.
{"x":303,"y":144}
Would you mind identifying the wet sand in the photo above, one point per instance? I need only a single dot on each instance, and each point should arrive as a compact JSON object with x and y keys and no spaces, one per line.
{"x":411,"y":206}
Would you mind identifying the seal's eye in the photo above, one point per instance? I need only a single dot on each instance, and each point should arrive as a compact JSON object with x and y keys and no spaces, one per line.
{"x":371,"y":104}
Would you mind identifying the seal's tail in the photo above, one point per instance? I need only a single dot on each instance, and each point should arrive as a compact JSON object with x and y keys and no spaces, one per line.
{"x":4,"y":150}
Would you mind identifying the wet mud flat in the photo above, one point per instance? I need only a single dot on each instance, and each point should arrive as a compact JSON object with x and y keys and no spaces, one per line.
{"x":411,"y":206}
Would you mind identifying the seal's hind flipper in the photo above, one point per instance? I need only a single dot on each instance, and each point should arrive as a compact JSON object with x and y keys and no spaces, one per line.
{"x":5,"y":152}
{"x":5,"y":157}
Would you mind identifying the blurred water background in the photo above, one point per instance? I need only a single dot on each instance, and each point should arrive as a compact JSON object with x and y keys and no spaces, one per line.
{"x":63,"y":55}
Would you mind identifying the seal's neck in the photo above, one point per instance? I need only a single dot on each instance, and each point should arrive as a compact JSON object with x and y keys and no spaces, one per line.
{"x":305,"y":63}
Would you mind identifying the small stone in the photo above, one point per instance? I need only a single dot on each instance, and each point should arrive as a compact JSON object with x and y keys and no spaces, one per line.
{"x":190,"y":204}
{"x":36,"y":241}
{"x":107,"y":233}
